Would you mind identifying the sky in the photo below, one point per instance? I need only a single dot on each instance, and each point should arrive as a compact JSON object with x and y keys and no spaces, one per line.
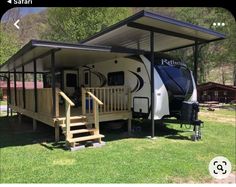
{"x":30,"y":10}
{"x":27,"y":10}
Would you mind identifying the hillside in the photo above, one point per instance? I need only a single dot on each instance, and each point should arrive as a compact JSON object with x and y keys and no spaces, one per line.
{"x":215,"y":74}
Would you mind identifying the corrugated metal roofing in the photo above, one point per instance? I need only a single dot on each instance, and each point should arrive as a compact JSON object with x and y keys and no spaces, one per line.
{"x":134,"y":32}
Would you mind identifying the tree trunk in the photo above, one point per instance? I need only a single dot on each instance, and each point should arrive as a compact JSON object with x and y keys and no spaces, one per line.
{"x":202,"y":77}
{"x":222,"y":73}
{"x":234,"y":74}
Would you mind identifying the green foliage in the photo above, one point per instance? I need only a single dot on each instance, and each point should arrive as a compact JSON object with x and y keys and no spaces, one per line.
{"x":216,"y":54}
{"x":9,"y":44}
{"x":75,"y":24}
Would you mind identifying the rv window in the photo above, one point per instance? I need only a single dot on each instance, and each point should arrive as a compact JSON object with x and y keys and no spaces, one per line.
{"x":86,"y":78}
{"x":116,"y":78}
{"x":177,"y":79}
{"x":71,"y":80}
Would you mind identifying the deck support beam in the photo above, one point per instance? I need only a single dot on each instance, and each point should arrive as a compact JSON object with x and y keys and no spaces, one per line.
{"x":152,"y":82}
{"x":57,"y":132}
{"x":34,"y":125}
{"x":19,"y":118}
{"x":196,"y":62}
{"x":129,"y":126}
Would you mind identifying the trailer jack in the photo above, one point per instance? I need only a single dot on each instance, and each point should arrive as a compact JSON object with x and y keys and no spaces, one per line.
{"x":197,"y":130}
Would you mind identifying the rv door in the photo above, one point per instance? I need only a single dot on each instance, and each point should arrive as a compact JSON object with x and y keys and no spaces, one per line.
{"x":70,"y":81}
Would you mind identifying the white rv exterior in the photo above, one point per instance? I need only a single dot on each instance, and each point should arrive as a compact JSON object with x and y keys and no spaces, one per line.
{"x":136,"y":74}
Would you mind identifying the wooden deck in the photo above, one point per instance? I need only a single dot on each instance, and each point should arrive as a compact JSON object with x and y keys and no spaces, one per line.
{"x":98,"y":105}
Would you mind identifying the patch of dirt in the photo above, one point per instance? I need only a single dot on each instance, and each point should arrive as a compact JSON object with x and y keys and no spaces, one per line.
{"x":231,"y":179}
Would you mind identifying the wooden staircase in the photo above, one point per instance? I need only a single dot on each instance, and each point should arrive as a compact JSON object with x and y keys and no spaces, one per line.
{"x":77,"y":130}
{"x":80,"y":131}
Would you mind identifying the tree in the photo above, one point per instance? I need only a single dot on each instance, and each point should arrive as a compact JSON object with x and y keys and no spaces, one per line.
{"x":216,"y":54}
{"x":11,"y":39}
{"x":8,"y":45}
{"x":75,"y":24}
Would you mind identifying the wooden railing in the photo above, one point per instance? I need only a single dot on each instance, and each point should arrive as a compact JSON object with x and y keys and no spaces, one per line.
{"x":68,"y":104}
{"x":114,"y":99}
{"x":44,"y":101}
{"x":96,"y":103}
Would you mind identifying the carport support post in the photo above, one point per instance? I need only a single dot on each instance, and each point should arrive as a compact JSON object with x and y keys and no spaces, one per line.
{"x":19,"y":115}
{"x":8,"y":92}
{"x":15,"y":87}
{"x":152,"y":82}
{"x":23,"y":84}
{"x":195,"y":61}
{"x":35,"y":94}
{"x":53,"y":84}
{"x":57,"y":129}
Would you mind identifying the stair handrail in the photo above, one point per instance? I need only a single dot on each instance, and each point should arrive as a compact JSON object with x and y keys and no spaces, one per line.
{"x":66,"y":98}
{"x":96,"y":102}
{"x":95,"y":98}
{"x":68,"y":104}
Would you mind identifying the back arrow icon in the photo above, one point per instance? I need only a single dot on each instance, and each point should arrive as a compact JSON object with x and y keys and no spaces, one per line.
{"x":15,"y":24}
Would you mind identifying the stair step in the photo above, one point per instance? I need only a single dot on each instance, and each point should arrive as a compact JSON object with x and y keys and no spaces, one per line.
{"x":75,"y":124}
{"x":72,"y":117}
{"x":82,"y":131}
{"x":80,"y":139}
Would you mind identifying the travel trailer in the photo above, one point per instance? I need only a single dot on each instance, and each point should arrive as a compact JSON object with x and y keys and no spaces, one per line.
{"x":174,"y":82}
{"x":120,"y":73}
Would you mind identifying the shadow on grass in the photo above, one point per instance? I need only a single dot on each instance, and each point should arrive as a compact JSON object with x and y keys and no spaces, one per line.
{"x":14,"y":134}
{"x":143,"y":130}
{"x":53,"y":146}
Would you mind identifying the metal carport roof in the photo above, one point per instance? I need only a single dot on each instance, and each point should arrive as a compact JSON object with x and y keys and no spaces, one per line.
{"x":130,"y":36}
{"x":67,"y":55}
{"x":134,"y":33}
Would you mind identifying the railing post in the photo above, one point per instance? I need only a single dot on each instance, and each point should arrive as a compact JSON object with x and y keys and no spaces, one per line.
{"x":83,"y":101}
{"x":129,"y":109}
{"x":129,"y":99}
{"x":96,"y":115}
{"x":67,"y":108}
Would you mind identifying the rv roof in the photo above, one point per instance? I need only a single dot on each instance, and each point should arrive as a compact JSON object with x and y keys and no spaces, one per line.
{"x":134,"y":32}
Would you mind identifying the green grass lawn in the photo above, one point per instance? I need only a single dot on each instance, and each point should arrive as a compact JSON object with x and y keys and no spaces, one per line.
{"x":32,"y":157}
{"x":3,"y":112}
{"x":3,"y":102}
